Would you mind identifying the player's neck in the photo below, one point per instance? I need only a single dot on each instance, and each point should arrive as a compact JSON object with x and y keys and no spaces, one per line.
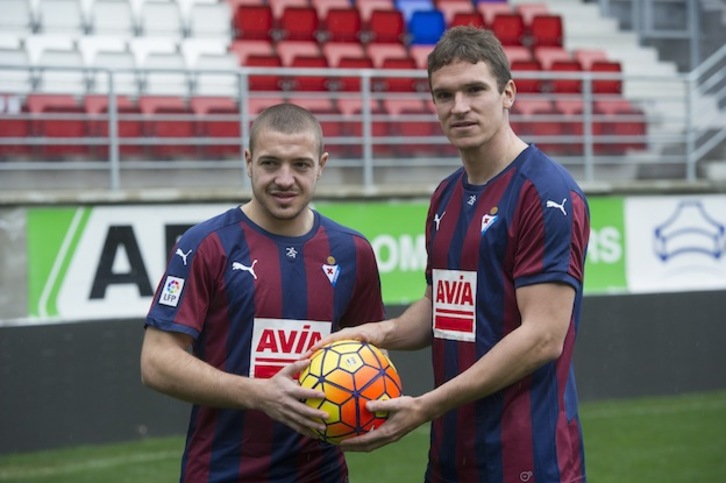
{"x":488,"y":160}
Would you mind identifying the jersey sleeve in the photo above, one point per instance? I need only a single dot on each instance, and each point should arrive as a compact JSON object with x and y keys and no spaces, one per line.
{"x":552,"y":229}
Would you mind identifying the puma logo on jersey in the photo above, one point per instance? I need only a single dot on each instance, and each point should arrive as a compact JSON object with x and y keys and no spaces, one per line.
{"x":245,"y":268}
{"x":559,"y":206}
{"x":183,"y":255}
{"x":437,"y":219}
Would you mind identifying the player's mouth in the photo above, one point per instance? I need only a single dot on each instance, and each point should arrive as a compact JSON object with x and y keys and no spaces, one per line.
{"x":462,"y":125}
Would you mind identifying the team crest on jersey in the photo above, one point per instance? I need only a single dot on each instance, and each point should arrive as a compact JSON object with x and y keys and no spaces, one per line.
{"x":489,"y":219}
{"x":331,"y":270}
{"x":279,"y":342}
{"x":455,"y":305}
{"x":171,"y":293}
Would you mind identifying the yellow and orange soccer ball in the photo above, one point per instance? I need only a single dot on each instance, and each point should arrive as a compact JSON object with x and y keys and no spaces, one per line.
{"x":350,"y":373}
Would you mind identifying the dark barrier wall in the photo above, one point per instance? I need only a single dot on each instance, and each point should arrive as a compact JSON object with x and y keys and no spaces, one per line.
{"x":73,"y":384}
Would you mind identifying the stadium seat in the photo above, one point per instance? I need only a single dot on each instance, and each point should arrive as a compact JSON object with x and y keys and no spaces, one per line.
{"x":299,"y":23}
{"x":279,"y":6}
{"x":342,"y":25}
{"x":546,"y":30}
{"x":161,"y":19}
{"x":378,"y":53}
{"x":565,"y":86}
{"x":587,"y":56}
{"x":169,"y":117}
{"x":526,"y":85}
{"x":412,"y":119}
{"x":59,"y":116}
{"x":253,"y":22}
{"x":14,"y":123}
{"x":62,"y":81}
{"x":125,"y":79}
{"x":426,"y":27}
{"x":222,"y":82}
{"x":517,"y":53}
{"x":352,"y":83}
{"x":546,"y":55}
{"x":264,"y":82}
{"x":307,"y":82}
{"x":352,"y":111}
{"x":17,"y":17}
{"x":386,"y":26}
{"x":18,"y":81}
{"x":399,"y":84}
{"x":334,"y":51}
{"x":509,"y":28}
{"x":606,"y":86}
{"x":218,"y":117}
{"x":475,"y":19}
{"x":61,"y":17}
{"x":619,"y":117}
{"x":113,"y":18}
{"x":175,"y":82}
{"x":210,"y":20}
{"x":129,"y":126}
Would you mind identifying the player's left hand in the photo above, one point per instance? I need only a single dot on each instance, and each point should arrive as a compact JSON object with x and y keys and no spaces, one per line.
{"x":404,"y":415}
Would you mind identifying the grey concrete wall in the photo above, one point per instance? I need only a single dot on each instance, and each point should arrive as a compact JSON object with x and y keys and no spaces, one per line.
{"x":78,"y":383}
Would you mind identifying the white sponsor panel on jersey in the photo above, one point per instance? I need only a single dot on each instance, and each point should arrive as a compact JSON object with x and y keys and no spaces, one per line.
{"x":455,"y":304}
{"x":279,"y":342}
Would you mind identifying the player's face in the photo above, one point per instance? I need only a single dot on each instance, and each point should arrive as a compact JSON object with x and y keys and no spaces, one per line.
{"x":284,"y":170}
{"x":470,"y":108}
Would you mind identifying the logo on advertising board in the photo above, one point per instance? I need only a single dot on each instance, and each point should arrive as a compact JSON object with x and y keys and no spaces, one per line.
{"x":676,"y":244}
{"x":279,"y":342}
{"x":171,"y":293}
{"x":455,"y":305}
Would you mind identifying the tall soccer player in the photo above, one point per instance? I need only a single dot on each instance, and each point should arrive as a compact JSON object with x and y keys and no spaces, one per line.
{"x":244,"y":296}
{"x":506,"y":237}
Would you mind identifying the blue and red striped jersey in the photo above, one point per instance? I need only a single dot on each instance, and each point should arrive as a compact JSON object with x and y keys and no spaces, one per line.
{"x":528,"y":225}
{"x":254,"y":302}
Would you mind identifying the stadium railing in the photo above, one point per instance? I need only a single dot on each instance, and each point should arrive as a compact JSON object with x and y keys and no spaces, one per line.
{"x":654,"y":127}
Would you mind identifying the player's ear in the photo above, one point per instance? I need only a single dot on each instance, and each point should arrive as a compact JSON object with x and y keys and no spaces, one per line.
{"x":323,"y":161}
{"x":248,"y":162}
{"x":510,"y":91}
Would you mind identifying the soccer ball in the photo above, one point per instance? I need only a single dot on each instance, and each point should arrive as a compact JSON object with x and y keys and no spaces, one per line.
{"x":350,"y":373}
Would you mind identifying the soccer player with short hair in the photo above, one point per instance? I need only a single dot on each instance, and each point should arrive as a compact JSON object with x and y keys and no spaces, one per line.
{"x":244,"y":296}
{"x":506,"y":239}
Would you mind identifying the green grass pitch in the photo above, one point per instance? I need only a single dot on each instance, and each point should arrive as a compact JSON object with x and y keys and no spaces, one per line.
{"x":664,"y":440}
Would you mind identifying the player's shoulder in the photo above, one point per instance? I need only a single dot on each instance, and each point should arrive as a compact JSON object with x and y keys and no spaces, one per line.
{"x":333,"y":227}
{"x":195,"y":235}
{"x":545,"y":174}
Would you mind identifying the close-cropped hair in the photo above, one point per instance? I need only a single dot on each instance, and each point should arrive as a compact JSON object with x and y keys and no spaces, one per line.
{"x":471,"y":44}
{"x":286,"y":118}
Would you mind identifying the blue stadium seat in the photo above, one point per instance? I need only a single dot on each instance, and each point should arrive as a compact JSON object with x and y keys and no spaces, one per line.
{"x":408,"y":7}
{"x":426,"y":27}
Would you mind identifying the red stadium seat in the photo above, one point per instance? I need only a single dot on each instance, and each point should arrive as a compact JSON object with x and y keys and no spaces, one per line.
{"x":489,"y":10}
{"x":15,"y":123}
{"x":218,"y":117}
{"x":289,"y":49}
{"x":353,"y":83}
{"x":343,"y":25}
{"x":169,"y":117}
{"x":129,"y":125}
{"x":411,"y":118}
{"x":529,"y":10}
{"x":386,"y":26}
{"x":606,"y":86}
{"x":528,"y":85}
{"x":264,"y":82}
{"x":566,"y":86}
{"x":517,"y":53}
{"x":309,"y":83}
{"x":475,"y":19}
{"x":509,"y":28}
{"x":546,"y":55}
{"x":546,"y":30}
{"x":299,"y":23}
{"x":59,"y":116}
{"x":253,"y":22}
{"x":352,"y":109}
{"x":451,"y":8}
{"x":244,"y":48}
{"x":399,"y":84}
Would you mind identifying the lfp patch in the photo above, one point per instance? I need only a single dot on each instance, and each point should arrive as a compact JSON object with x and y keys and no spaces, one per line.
{"x":172,"y":291}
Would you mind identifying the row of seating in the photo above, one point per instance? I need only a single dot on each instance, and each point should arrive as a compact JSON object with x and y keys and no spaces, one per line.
{"x":422,"y":23}
{"x":168,"y":127}
{"x":116,"y":17}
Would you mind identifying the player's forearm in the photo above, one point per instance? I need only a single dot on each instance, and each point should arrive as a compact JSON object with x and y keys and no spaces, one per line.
{"x":412,"y":329}
{"x":516,"y":356}
{"x":183,"y":376}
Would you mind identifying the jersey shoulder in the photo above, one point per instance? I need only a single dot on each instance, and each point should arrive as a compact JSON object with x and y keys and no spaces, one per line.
{"x":195,"y":235}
